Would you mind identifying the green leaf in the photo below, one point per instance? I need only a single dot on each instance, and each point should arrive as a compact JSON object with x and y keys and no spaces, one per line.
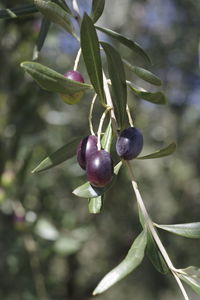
{"x":56,"y":14}
{"x":41,"y":37}
{"x":156,"y":98}
{"x":160,"y":153}
{"x":53,"y":81}
{"x":132,"y":261}
{"x":91,"y":55}
{"x":64,"y":5}
{"x":97,"y":9}
{"x":191,"y":277}
{"x":61,"y":155}
{"x":155,"y":256}
{"x":143,"y":74}
{"x":95,"y":205}
{"x":118,"y":81}
{"x":135,"y":47}
{"x":86,"y":190}
{"x":19,"y":11}
{"x":189,"y":230}
{"x":107,"y":138}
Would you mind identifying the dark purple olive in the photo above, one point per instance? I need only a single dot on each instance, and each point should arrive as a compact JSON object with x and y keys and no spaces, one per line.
{"x":129,"y":143}
{"x":99,"y":168}
{"x":74,"y":75}
{"x":85,"y":149}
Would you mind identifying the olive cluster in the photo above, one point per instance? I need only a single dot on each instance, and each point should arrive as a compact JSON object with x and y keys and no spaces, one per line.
{"x":98,"y":163}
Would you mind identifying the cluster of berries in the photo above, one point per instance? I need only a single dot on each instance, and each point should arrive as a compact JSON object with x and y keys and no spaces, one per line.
{"x":98,"y":163}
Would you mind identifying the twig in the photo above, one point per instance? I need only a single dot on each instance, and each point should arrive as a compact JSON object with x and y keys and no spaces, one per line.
{"x":129,"y":116}
{"x":77,"y":60}
{"x":90,"y":114}
{"x":100,"y":127}
{"x":146,"y":216}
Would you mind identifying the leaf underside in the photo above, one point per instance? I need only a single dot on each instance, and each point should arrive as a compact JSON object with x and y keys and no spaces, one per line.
{"x":131,"y":261}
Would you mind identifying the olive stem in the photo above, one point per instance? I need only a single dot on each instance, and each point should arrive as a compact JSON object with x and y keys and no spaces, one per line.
{"x":77,"y":60}
{"x":154,"y":233}
{"x":142,"y":207}
{"x":90,"y":115}
{"x":129,"y":116}
{"x":100,"y":127}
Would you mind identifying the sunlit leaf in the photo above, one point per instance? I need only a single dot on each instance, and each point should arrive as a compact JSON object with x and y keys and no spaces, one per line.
{"x":156,"y":98}
{"x":56,"y":14}
{"x":189,"y":230}
{"x":19,"y":11}
{"x":132,"y":261}
{"x":91,"y":55}
{"x":107,"y":138}
{"x":160,"y":153}
{"x":144,"y":74}
{"x":155,"y":256}
{"x":97,"y":9}
{"x":51,"y":80}
{"x":86,"y":190}
{"x":95,"y":205}
{"x":41,"y":37}
{"x":191,"y":276}
{"x":118,"y":81}
{"x":61,"y":155}
{"x":135,"y":47}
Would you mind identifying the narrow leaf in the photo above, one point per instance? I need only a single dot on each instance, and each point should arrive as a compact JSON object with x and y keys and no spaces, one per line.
{"x":64,"y":5}
{"x":107,"y":138}
{"x":156,"y":98}
{"x":86,"y":190}
{"x":91,"y":55}
{"x":41,"y":37}
{"x":135,"y":47}
{"x":56,"y":158}
{"x":189,"y":230}
{"x":56,"y":14}
{"x":97,"y":9}
{"x":95,"y":205}
{"x":160,"y":153}
{"x":118,"y":81}
{"x":143,"y":74}
{"x":51,"y":80}
{"x":155,"y":256}
{"x":191,"y":277}
{"x":19,"y":11}
{"x":132,"y":261}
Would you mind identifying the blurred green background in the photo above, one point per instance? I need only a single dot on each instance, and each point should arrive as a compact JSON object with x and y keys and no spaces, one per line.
{"x":50,"y":246}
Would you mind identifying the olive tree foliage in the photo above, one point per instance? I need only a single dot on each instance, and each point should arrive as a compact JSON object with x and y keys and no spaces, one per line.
{"x":108,"y":84}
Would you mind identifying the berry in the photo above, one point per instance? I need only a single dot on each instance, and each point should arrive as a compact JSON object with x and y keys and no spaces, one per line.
{"x":73,"y":98}
{"x":129,"y":143}
{"x":85,"y":149}
{"x":74,"y":75}
{"x":99,"y":168}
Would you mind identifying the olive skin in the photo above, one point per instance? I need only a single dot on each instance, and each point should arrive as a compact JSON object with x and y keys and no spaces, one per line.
{"x":99,"y":169}
{"x":76,"y":97}
{"x":74,"y":75}
{"x":85,"y":149}
{"x":129,"y":143}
